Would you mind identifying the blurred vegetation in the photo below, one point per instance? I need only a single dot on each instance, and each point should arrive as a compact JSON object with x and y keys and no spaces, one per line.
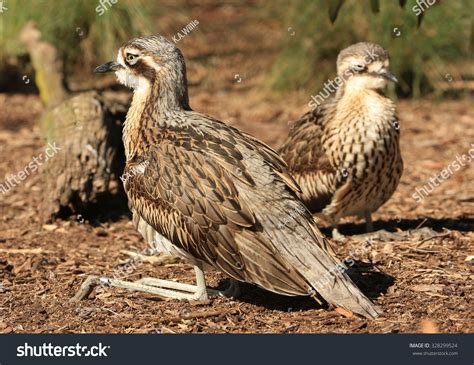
{"x":75,"y":28}
{"x":422,"y":56}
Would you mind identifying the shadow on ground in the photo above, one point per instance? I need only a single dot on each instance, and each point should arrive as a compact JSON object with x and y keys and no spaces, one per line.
{"x":460,"y":224}
{"x":371,"y":281}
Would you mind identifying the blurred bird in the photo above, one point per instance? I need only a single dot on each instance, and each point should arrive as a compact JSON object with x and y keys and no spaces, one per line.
{"x":345,"y":152}
{"x":214,"y":195}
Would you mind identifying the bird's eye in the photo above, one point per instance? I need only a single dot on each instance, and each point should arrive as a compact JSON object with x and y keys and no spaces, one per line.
{"x":131,"y":57}
{"x":358,"y":67}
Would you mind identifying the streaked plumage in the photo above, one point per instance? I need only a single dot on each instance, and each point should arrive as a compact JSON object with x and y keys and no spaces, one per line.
{"x":345,"y":153}
{"x":213,"y":194}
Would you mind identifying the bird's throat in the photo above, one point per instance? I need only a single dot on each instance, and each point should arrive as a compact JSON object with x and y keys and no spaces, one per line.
{"x":152,"y":104}
{"x":136,"y":116}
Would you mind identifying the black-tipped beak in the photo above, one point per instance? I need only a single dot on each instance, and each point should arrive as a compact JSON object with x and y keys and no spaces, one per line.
{"x":389,"y":76}
{"x":108,"y":67}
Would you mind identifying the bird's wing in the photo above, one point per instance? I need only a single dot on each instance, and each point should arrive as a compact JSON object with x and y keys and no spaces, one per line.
{"x":308,"y":162}
{"x":187,"y":192}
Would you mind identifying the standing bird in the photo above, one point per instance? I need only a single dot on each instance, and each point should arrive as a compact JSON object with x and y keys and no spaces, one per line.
{"x":345,"y":152}
{"x":213,"y":195}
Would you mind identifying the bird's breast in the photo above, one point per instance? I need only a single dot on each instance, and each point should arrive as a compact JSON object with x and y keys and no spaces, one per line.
{"x":363,"y":137}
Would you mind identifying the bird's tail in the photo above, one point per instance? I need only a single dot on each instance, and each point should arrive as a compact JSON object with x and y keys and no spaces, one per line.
{"x":339,"y":290}
{"x":335,"y":286}
{"x":323,"y":272}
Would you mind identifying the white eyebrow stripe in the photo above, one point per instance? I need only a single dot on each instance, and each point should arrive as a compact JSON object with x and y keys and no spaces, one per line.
{"x":120,"y":58}
{"x":149,"y":62}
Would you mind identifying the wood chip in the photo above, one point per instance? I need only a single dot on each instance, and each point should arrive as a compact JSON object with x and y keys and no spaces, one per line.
{"x":428,"y":326}
{"x":50,"y":227}
{"x":25,"y":266}
{"x":345,"y":312}
{"x":427,"y":287}
{"x":24,"y":251}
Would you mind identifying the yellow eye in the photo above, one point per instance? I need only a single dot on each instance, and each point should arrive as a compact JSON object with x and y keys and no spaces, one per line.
{"x":131,"y":57}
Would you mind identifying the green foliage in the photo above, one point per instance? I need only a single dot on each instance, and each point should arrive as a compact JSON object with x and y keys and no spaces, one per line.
{"x":421,"y":56}
{"x":74,"y":27}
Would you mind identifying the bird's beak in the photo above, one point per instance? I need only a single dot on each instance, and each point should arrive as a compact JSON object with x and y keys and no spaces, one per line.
{"x":386,"y":74}
{"x":108,"y":67}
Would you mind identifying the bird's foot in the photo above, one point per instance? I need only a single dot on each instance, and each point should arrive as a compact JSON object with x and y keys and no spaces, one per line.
{"x":158,"y":287}
{"x":383,"y":235}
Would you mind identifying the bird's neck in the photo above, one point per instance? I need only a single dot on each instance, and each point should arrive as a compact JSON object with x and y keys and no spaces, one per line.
{"x":152,"y":104}
{"x":368,"y":105}
{"x":167,"y":92}
{"x":361,"y":95}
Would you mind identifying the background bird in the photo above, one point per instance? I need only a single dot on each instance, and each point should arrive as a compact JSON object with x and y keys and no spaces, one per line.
{"x":345,"y":152}
{"x":214,"y":195}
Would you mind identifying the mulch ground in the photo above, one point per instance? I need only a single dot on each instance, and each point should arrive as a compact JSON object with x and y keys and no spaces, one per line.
{"x":421,"y":283}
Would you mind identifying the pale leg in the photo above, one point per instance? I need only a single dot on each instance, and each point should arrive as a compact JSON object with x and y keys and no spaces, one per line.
{"x":161,"y":288}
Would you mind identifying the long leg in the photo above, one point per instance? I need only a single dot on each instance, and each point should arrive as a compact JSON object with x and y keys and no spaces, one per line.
{"x":161,"y":288}
{"x":200,"y":289}
{"x":201,"y":292}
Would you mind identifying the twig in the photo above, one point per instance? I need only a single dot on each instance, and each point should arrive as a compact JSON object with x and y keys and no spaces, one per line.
{"x":424,"y":221}
{"x":195,"y":315}
{"x":418,"y":249}
{"x":23,"y":250}
{"x":293,"y":326}
{"x":429,"y":238}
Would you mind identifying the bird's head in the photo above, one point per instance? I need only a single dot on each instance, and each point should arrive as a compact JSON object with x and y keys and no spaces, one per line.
{"x":147,"y":61}
{"x":365,"y":66}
